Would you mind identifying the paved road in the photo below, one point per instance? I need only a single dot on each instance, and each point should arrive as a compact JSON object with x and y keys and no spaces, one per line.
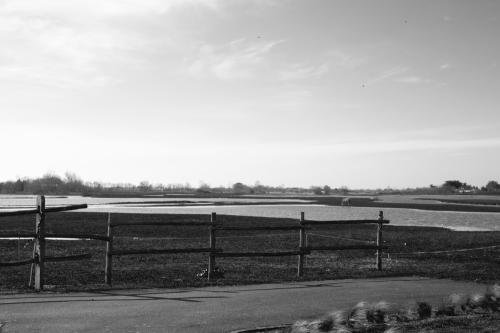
{"x":213,"y":309}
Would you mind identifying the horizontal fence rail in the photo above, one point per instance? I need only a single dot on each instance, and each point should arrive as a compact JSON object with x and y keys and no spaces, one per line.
{"x":46,"y":210}
{"x":47,"y":259}
{"x":16,"y":263}
{"x":262,"y":254}
{"x":19,"y":212}
{"x":346,"y":247}
{"x":164,"y":251}
{"x":160,"y":224}
{"x":64,"y":208}
{"x":18,"y":235}
{"x":309,"y":222}
{"x":78,"y":236}
{"x":268,"y":228}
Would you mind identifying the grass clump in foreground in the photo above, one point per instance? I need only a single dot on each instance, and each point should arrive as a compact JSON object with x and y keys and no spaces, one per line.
{"x":460,"y":313}
{"x":180,"y":270}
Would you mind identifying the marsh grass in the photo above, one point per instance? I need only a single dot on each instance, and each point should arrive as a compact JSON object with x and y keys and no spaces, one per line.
{"x":180,"y":270}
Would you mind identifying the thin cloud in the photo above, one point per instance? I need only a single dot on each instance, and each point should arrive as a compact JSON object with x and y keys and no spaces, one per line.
{"x":332,"y":60}
{"x":302,"y":71}
{"x":238,"y":59}
{"x":398,"y":146}
{"x":342,"y":60}
{"x":412,"y":145}
{"x":444,"y":66}
{"x":411,"y":79}
{"x":347,"y":148}
{"x":387,"y":74}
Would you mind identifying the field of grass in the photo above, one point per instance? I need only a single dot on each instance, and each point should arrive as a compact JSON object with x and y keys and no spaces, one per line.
{"x":180,"y":270}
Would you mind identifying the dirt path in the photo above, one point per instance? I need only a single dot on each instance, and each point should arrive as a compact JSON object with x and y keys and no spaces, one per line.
{"x":213,"y":309}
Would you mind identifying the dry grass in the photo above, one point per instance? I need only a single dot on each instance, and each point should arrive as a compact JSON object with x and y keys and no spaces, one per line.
{"x":460,"y":313}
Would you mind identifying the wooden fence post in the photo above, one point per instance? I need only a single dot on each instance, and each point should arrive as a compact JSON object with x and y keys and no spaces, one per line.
{"x":108,"y":274}
{"x":302,"y":243}
{"x":39,"y":246}
{"x":211,"y":258}
{"x":379,"y":240}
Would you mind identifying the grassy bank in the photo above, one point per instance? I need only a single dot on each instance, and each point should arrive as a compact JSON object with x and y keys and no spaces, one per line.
{"x":478,"y":312}
{"x":180,"y":270}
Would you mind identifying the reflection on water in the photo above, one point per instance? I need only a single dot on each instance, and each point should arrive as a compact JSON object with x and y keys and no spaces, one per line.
{"x":464,"y":221}
{"x":26,"y":201}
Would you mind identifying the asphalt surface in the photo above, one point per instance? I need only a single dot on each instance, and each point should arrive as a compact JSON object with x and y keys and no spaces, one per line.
{"x":212,"y":309}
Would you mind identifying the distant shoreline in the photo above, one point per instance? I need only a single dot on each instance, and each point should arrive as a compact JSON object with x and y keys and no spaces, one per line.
{"x":451,"y":204}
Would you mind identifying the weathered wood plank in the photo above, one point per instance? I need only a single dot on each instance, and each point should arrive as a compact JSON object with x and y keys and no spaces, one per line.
{"x":17,"y":235}
{"x":16,"y":263}
{"x":64,"y":208}
{"x":285,"y":227}
{"x":108,"y":269}
{"x":262,"y":254}
{"x":47,"y":210}
{"x":165,"y":224}
{"x":39,"y":252}
{"x":19,"y":212}
{"x":302,"y":244}
{"x":80,"y":236}
{"x":211,"y":257}
{"x":164,"y":251}
{"x":346,"y":247}
{"x":333,"y":222}
{"x":379,"y":241}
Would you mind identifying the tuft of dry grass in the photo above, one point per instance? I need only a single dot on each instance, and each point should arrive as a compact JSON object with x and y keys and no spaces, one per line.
{"x":384,"y":318}
{"x":363,"y":317}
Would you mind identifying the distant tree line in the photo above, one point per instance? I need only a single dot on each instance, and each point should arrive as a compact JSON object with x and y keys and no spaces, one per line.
{"x":448,"y":187}
{"x":70,"y":183}
{"x":51,"y":183}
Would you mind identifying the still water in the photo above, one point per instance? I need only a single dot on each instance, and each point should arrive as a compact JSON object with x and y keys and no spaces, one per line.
{"x":464,"y":221}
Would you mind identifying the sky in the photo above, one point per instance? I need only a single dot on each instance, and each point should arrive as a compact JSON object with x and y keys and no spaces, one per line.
{"x":364,"y":94}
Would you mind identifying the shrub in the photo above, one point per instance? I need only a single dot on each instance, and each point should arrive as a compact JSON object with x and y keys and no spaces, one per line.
{"x":424,"y":310}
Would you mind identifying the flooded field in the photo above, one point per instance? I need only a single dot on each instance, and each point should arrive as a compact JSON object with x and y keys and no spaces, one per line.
{"x":289,"y":208}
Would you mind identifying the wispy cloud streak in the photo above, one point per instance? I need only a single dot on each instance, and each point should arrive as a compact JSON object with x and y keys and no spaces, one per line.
{"x":395,"y":71}
{"x":238,"y":59}
{"x":411,"y":79}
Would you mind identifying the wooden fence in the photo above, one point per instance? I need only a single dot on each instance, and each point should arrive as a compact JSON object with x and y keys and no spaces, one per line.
{"x":40,"y":236}
{"x":214,"y":252}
